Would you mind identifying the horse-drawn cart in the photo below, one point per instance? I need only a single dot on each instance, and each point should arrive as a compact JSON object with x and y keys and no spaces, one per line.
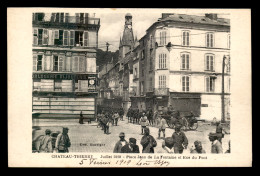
{"x":186,"y":119}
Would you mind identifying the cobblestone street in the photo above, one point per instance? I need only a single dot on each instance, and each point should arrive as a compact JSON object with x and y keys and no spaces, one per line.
{"x":89,"y":138}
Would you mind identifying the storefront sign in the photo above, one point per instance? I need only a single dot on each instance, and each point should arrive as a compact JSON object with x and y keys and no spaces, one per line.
{"x":92,"y":84}
{"x":204,"y":105}
{"x":64,"y":76}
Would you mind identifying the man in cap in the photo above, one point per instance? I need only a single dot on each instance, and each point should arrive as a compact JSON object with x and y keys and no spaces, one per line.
{"x":216,"y":146}
{"x":219,"y":131}
{"x":45,"y":144}
{"x":198,"y":148}
{"x":122,"y":142}
{"x":63,"y":141}
{"x":131,"y":147}
{"x":148,"y":142}
{"x":162,"y":127}
{"x":180,"y":139}
{"x":143,"y":122}
{"x":168,"y":144}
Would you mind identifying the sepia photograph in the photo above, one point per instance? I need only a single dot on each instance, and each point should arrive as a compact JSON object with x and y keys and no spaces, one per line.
{"x":128,"y":84}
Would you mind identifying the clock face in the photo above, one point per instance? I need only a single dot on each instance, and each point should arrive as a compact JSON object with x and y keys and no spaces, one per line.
{"x":129,"y":26}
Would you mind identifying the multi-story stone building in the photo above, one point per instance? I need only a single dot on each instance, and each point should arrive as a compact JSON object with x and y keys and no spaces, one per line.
{"x":64,"y":64}
{"x":181,"y":64}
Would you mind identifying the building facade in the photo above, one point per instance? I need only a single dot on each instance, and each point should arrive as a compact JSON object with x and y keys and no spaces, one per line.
{"x":182,"y":58}
{"x":64,"y":64}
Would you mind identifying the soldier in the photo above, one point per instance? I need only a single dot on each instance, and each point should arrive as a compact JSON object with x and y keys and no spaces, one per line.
{"x":198,"y":148}
{"x":45,"y":144}
{"x":168,"y":144}
{"x":162,"y":127}
{"x":63,"y":141}
{"x":143,"y":122}
{"x":148,"y":142}
{"x":122,"y":142}
{"x":180,"y":139}
{"x":131,"y":147}
{"x":216,"y":146}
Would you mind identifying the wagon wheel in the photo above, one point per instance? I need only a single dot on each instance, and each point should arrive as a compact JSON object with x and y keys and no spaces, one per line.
{"x":171,"y":125}
{"x":194,"y":125}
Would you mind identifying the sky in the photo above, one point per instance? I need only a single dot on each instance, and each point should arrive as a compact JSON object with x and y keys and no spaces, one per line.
{"x":112,"y":26}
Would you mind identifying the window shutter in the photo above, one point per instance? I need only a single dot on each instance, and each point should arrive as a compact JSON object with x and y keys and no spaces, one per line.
{"x":188,"y":61}
{"x":56,"y":34}
{"x":92,"y":39}
{"x":34,"y":62}
{"x":211,"y":63}
{"x":188,"y":38}
{"x":76,"y":64}
{"x":77,"y":17}
{"x":65,"y":38}
{"x":183,"y":83}
{"x":72,"y":37}
{"x":35,"y":36}
{"x":86,"y":18}
{"x":50,"y":39}
{"x":183,"y":61}
{"x":211,"y":40}
{"x":183,"y":38}
{"x":168,"y":38}
{"x":66,"y":17}
{"x":45,"y":37}
{"x":85,"y":38}
{"x":207,"y":84}
{"x":207,"y":40}
{"x":187,"y":83}
{"x":207,"y":62}
{"x":60,"y":63}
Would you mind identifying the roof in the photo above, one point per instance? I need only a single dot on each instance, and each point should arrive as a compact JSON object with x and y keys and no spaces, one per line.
{"x":196,"y":19}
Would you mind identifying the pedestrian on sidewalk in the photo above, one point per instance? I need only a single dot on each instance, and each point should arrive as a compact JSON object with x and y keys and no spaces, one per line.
{"x":121,"y":143}
{"x":216,"y":146}
{"x":116,"y":117}
{"x":148,"y":142}
{"x":162,"y":127}
{"x":144,"y":123}
{"x":45,"y":144}
{"x":198,"y":148}
{"x":180,"y":139}
{"x":106,"y":124}
{"x":121,"y":113}
{"x":219,"y":131}
{"x":63,"y":141}
{"x":131,"y":147}
{"x":81,"y":118}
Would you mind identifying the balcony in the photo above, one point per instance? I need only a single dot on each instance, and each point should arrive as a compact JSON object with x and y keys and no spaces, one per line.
{"x":161,"y":91}
{"x":62,"y":20}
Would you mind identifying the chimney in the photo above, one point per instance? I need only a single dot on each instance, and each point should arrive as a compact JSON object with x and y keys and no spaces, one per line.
{"x":212,"y":16}
{"x":165,"y":15}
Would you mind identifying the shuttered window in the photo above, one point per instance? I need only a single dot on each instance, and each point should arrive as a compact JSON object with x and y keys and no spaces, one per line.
{"x":162,"y":81}
{"x":85,"y":38}
{"x":209,"y":62}
{"x":185,"y":38}
{"x":163,"y":38}
{"x":75,"y":67}
{"x":185,"y":61}
{"x":185,"y":83}
{"x":209,"y":40}
{"x":47,"y":63}
{"x":72,"y":38}
{"x":82,"y":64}
{"x":83,"y":85}
{"x":65,"y":38}
{"x":68,"y":64}
{"x":35,"y":36}
{"x":162,"y":61}
{"x":45,"y":37}
{"x":34,"y":62}
{"x":210,"y":84}
{"x":61,"y":59}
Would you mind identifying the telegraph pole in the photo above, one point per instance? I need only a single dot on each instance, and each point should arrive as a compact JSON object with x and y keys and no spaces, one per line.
{"x":223,"y":92}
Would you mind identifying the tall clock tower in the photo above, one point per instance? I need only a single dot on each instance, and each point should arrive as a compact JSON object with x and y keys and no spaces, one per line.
{"x":127,"y":41}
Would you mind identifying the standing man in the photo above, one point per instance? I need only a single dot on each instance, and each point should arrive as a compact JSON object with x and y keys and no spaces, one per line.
{"x":116,"y":117}
{"x":162,"y":127}
{"x":81,"y":118}
{"x":148,"y":142}
{"x":106,"y":124}
{"x":143,"y":123}
{"x":121,"y":143}
{"x":180,"y":139}
{"x":121,"y":113}
{"x":63,"y":141}
{"x":131,"y":147}
{"x":216,"y":146}
{"x":219,"y":131}
{"x":45,"y":144}
{"x":198,"y":148}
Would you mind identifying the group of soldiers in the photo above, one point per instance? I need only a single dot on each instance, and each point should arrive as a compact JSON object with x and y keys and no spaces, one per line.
{"x":107,"y":116}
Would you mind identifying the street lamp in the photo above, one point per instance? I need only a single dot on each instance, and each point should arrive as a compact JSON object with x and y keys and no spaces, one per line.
{"x":224,"y":62}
